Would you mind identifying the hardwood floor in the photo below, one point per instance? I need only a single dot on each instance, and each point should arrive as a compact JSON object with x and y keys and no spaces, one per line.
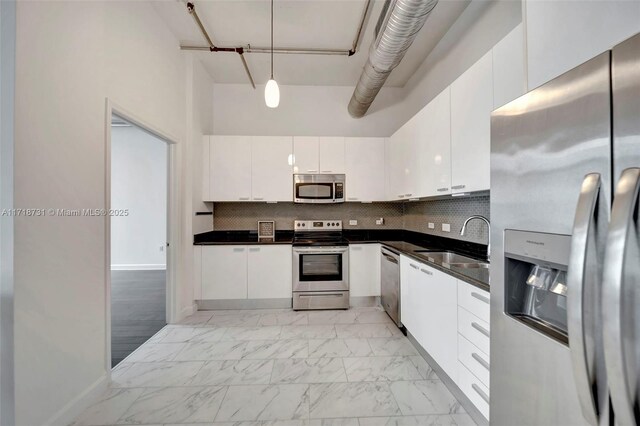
{"x":138,"y":309}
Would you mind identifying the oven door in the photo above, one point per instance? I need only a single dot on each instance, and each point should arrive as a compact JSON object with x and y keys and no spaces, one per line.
{"x":314,"y":192}
{"x":320,"y":268}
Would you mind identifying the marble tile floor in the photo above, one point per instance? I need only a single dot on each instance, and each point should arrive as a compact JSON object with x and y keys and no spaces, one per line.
{"x":277,"y":367}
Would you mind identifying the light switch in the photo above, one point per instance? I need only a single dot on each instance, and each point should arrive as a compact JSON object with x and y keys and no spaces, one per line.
{"x":380,"y":221}
{"x":446,"y":227}
{"x":353,"y":222}
{"x":431,"y":225}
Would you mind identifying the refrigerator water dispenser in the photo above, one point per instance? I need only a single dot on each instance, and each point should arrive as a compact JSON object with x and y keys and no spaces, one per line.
{"x":535,"y":281}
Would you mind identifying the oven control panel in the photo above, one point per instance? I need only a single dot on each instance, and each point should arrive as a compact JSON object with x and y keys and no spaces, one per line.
{"x":317,"y":225}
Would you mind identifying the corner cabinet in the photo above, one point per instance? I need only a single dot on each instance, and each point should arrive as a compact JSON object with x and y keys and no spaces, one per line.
{"x":364,"y":167}
{"x":429,"y":311}
{"x":471,"y":107}
{"x":239,"y":272}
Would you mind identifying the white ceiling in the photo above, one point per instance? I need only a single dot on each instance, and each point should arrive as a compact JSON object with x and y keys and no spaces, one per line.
{"x":298,"y":24}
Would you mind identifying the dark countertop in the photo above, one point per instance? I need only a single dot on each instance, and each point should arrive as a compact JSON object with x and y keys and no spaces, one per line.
{"x":403,"y":241}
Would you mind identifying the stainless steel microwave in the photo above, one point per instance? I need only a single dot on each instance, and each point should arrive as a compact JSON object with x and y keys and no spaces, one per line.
{"x":318,"y":189}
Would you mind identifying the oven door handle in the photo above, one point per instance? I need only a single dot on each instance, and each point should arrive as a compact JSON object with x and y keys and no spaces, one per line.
{"x":323,"y":250}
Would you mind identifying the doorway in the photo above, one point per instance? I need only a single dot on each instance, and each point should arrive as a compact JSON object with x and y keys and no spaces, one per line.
{"x":139,"y":218}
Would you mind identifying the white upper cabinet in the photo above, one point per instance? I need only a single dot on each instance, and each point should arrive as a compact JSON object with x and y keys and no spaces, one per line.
{"x":271,"y":168}
{"x":563,"y":34}
{"x":401,"y":159}
{"x":433,"y":148}
{"x":306,"y":154}
{"x":318,"y":155}
{"x":230,"y":168}
{"x":471,"y":106}
{"x":364,"y":167}
{"x":508,"y":68}
{"x":331,"y":155}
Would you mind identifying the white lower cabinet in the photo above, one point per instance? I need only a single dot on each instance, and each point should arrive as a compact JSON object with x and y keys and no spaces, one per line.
{"x":246,"y":272}
{"x":224,"y":272}
{"x":474,"y":345}
{"x":364,"y":270}
{"x":269,"y":275}
{"x":429,"y":305}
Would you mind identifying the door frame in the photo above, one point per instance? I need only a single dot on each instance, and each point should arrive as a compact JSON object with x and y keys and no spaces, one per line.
{"x":173,"y":211}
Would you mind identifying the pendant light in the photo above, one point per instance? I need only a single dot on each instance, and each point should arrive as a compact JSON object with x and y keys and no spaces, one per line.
{"x":271,"y":90}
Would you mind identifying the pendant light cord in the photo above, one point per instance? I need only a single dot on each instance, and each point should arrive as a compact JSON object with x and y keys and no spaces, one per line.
{"x":271,"y":39}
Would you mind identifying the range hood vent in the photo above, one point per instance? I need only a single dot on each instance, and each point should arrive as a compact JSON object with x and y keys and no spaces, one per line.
{"x":398,"y":25}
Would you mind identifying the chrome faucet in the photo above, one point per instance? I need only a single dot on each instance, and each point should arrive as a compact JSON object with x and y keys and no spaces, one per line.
{"x":464,"y":227}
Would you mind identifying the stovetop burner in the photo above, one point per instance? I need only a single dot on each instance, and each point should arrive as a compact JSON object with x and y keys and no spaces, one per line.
{"x":318,"y":233}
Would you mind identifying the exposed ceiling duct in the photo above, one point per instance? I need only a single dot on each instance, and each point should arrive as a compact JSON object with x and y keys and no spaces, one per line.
{"x":398,"y":25}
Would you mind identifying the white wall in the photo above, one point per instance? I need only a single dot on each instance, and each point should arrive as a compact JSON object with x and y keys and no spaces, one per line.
{"x":138,"y":185}
{"x":7,"y":75}
{"x":563,"y":34}
{"x":322,"y":110}
{"x":303,"y":111}
{"x":70,"y":57}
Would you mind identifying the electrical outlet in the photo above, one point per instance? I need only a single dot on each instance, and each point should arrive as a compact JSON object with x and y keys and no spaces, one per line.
{"x":380,"y":221}
{"x":353,"y":222}
{"x":431,"y":225}
{"x":446,"y":227}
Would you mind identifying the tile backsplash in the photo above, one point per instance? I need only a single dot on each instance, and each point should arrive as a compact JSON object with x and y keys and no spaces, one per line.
{"x":245,"y":216}
{"x":413,"y":216}
{"x":453,"y":211}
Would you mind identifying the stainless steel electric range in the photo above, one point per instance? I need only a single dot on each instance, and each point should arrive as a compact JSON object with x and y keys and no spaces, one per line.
{"x":320,"y":265}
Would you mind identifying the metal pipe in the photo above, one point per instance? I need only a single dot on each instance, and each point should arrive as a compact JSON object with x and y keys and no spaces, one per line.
{"x":398,"y":28}
{"x":246,"y":68}
{"x":192,"y":11}
{"x":283,"y":50}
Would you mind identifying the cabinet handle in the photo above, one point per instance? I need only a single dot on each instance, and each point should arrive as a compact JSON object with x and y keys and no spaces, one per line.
{"x":400,"y":195}
{"x":442,"y":189}
{"x":480,"y":392}
{"x":312,"y":171}
{"x":352,"y":198}
{"x":408,"y":195}
{"x":481,"y":361}
{"x":254,"y":249}
{"x":480,"y":297}
{"x":244,"y":198}
{"x":238,"y":249}
{"x":458,"y":186}
{"x":481,"y":329}
{"x":326,"y":171}
{"x":413,"y":266}
{"x":426,"y":272}
{"x":258,"y":198}
{"x":356,"y":248}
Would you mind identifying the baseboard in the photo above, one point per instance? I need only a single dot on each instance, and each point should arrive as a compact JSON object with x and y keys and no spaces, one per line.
{"x":73,"y":409}
{"x":364,"y":301}
{"x":466,"y":403}
{"x":212,"y":305}
{"x":187,"y":311}
{"x":139,"y":267}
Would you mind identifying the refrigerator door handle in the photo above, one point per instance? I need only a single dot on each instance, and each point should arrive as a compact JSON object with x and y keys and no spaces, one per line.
{"x":623,"y":232}
{"x":580,"y":315}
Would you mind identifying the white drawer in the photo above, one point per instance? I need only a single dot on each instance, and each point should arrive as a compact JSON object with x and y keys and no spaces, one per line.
{"x":474,"y":300}
{"x":474,"y":359}
{"x":474,"y":389}
{"x":474,"y":329}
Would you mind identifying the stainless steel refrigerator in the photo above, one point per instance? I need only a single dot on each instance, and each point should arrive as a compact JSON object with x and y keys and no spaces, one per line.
{"x":565,"y":260}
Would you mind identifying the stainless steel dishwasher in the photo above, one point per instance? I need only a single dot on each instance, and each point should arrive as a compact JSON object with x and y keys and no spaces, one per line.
{"x":390,"y":282}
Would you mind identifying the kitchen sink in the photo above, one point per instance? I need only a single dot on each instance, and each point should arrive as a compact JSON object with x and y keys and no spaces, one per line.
{"x":446,"y":257}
